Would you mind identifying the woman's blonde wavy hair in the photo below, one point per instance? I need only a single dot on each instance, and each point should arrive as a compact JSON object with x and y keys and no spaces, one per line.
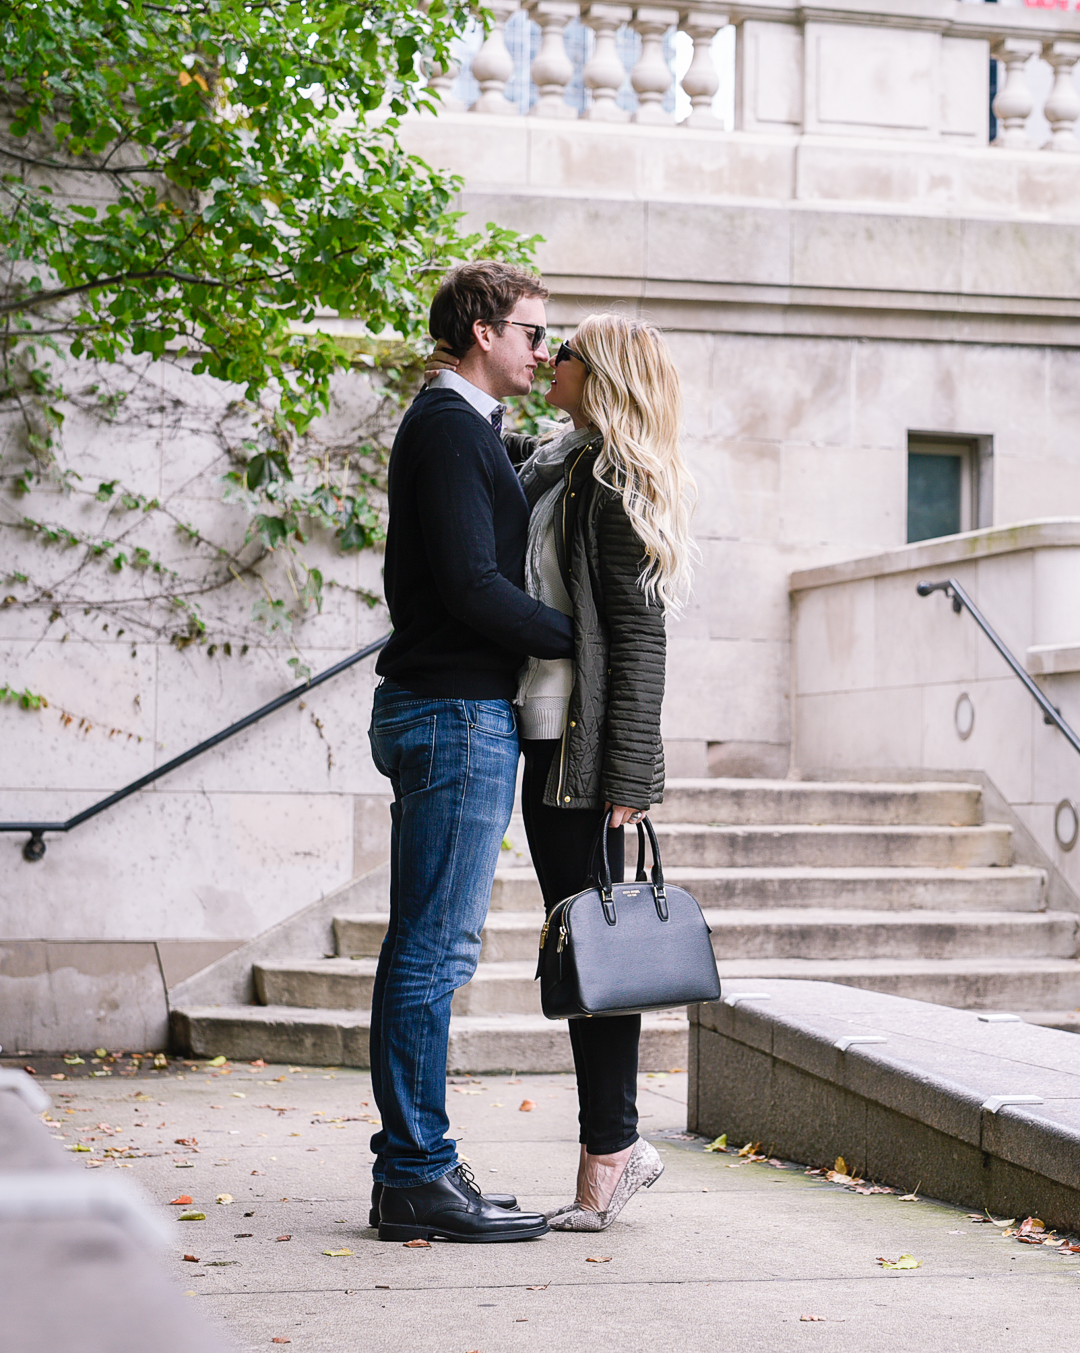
{"x":631,"y":395}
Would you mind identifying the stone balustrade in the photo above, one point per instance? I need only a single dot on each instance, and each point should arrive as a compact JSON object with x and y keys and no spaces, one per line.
{"x":898,"y":69}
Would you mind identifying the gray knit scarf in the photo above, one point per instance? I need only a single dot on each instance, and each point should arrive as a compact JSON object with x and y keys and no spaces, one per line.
{"x":542,"y":480}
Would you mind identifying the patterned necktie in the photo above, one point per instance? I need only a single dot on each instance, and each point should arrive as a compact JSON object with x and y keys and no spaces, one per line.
{"x":496,"y":417}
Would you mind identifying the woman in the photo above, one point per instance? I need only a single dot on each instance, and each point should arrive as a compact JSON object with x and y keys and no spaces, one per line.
{"x":609,"y":544}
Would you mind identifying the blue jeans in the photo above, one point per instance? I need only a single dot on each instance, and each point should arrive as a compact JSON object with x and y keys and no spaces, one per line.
{"x":453,"y":767}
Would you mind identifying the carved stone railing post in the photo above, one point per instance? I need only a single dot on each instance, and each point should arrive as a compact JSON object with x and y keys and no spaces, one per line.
{"x":1063,"y":106}
{"x":701,"y":80}
{"x":552,"y":70}
{"x":652,"y":77}
{"x":492,"y":66}
{"x":441,"y":80}
{"x":1014,"y":104}
{"x":604,"y":72}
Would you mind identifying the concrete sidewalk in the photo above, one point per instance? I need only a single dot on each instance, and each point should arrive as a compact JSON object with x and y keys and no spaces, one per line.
{"x":719,"y":1255}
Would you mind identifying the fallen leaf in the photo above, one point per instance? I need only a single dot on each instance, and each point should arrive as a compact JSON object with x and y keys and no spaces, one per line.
{"x":216,"y":1061}
{"x":58,"y":1076}
{"x":186,"y":1141}
{"x":258,"y":1172}
{"x":185,"y":1200}
{"x":337,"y":1254}
{"x":527,"y":1106}
{"x":812,"y":1317}
{"x":599,"y":1259}
{"x":719,"y":1144}
{"x":225,"y":1199}
{"x":1031,"y":1225}
{"x":540,"y":1287}
{"x":750,"y":1149}
{"x":74,"y":1061}
{"x":239,"y":1094}
{"x":283,"y":1237}
{"x":257,"y":1063}
{"x":841,"y":1165}
{"x":909,"y":1197}
{"x":192,"y":1216}
{"x":190,"y":1258}
{"x":1011,"y":1221}
{"x":905,"y":1261}
{"x":417,"y":1244}
{"x":279,"y":1340}
{"x":244,"y":1235}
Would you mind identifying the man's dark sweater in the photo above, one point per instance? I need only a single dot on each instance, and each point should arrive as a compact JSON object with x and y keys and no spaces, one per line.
{"x":455,"y":560}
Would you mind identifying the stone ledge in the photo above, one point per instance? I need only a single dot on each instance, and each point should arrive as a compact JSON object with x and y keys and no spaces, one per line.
{"x":914,"y":1110}
{"x":1041,"y":534}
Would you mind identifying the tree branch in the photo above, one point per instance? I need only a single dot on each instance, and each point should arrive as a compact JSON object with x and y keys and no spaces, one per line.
{"x":37,"y":298}
{"x":81,"y":168}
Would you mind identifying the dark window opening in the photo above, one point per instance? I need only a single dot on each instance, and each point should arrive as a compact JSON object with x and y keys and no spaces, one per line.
{"x":949,"y":485}
{"x":933,"y":495}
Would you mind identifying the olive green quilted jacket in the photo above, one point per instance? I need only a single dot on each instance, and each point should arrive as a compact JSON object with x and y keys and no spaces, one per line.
{"x":611,"y":748}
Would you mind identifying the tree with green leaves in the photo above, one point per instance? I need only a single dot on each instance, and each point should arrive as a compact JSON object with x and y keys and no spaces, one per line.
{"x":198,"y":181}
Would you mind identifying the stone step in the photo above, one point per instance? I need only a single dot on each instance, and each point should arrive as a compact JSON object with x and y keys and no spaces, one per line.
{"x":506,"y":988}
{"x":527,"y":1043}
{"x":796,"y":932}
{"x":316,"y":983}
{"x":794,"y":802}
{"x":817,"y":933}
{"x":812,"y":846}
{"x":984,"y":888}
{"x":970,"y":984}
{"x":506,"y":935}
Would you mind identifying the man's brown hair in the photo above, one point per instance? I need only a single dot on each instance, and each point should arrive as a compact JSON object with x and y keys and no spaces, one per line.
{"x":486,"y":291}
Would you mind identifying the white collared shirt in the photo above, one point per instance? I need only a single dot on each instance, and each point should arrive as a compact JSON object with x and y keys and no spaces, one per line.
{"x":481,"y":401}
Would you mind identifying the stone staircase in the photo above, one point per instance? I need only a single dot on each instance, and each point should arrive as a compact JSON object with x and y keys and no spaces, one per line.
{"x":901,"y":888}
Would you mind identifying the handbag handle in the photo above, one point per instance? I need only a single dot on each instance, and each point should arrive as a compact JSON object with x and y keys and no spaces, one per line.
{"x":607,"y":896}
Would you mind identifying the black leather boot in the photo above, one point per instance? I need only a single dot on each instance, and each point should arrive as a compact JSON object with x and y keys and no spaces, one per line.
{"x":506,"y":1200}
{"x":452,"y":1208}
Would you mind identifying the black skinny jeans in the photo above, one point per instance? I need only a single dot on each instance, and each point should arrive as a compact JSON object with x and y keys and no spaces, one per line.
{"x":562,"y":842}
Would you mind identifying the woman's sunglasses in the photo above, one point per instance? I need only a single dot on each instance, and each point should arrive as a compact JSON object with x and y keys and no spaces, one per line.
{"x":566,"y":352}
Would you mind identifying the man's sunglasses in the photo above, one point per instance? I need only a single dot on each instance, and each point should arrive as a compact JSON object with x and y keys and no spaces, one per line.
{"x":537,"y":332}
{"x":566,"y":352}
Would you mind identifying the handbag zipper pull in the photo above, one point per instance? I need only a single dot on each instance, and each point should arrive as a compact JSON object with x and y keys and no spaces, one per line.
{"x":562,"y":939}
{"x":544,"y":932}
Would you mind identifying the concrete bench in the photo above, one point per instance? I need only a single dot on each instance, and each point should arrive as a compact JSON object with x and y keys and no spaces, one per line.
{"x":977,"y":1109}
{"x":77,"y":1269}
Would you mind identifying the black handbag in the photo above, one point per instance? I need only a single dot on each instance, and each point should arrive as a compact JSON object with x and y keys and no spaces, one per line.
{"x":626,"y":947}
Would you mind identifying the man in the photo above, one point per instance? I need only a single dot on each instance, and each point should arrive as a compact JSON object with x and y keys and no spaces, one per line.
{"x":443,"y":731}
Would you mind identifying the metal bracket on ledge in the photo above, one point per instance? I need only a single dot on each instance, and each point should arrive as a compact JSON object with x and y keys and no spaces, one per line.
{"x":999,"y":1017}
{"x":997,"y":1102}
{"x":849,"y":1040}
{"x":747,"y":996}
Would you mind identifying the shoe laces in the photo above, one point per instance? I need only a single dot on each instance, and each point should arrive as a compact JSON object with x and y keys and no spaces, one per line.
{"x":467,"y":1178}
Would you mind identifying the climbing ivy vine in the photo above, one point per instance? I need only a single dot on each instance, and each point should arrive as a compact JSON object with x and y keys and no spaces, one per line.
{"x":192,"y":195}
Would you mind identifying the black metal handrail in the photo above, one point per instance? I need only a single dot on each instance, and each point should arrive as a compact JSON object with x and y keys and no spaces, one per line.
{"x":34,"y":849}
{"x":960,"y":599}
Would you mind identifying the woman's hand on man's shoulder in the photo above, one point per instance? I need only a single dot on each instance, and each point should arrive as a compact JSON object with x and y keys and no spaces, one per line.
{"x":440,"y":358}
